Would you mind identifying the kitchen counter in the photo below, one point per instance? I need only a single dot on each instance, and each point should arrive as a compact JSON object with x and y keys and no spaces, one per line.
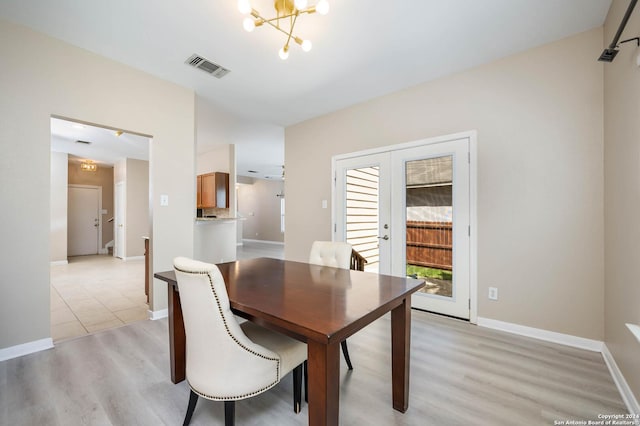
{"x":215,"y":239}
{"x":218,"y":219}
{"x":213,"y":219}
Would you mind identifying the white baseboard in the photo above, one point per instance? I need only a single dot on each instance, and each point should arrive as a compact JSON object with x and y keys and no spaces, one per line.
{"x":263,"y":241}
{"x":59,"y":262}
{"x":623,"y":387}
{"x":26,"y":348}
{"x":156,"y":315}
{"x":634,"y":329}
{"x":546,"y":335}
{"x":128,"y":259}
{"x":103,"y":251}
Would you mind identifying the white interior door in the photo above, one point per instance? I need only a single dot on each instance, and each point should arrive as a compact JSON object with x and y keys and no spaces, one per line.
{"x":407,"y":211}
{"x":119,"y":221}
{"x":83,"y":220}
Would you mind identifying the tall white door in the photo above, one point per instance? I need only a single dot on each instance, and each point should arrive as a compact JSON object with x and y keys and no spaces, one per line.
{"x":119,"y":221}
{"x":416,"y":212}
{"x":362,"y":206}
{"x":431,"y":200}
{"x":83,"y":220}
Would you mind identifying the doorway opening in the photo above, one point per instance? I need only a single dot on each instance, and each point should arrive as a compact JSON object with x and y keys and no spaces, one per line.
{"x":92,"y":289}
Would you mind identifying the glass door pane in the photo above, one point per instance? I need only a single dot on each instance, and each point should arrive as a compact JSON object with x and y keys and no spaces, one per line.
{"x":429,"y":220}
{"x":362,"y":221}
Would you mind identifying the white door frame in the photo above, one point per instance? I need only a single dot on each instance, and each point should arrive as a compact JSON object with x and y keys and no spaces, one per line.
{"x":99,"y":188}
{"x":120,"y":214}
{"x":473,"y":200}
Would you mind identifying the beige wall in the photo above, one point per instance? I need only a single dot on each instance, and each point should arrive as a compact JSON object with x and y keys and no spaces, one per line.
{"x":261,"y":208}
{"x":622,"y":195}
{"x":137,"y":214}
{"x":58,"y":217}
{"x":215,"y":160}
{"x":80,"y":85}
{"x":539,"y":117}
{"x":102,"y":177}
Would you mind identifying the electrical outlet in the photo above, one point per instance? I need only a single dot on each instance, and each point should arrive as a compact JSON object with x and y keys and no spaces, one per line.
{"x":493,"y":293}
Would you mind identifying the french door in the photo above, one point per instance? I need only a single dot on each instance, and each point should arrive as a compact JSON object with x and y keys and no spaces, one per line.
{"x":407,"y":211}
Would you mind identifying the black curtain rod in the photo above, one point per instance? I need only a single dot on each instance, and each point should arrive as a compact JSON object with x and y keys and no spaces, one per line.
{"x":611,"y":52}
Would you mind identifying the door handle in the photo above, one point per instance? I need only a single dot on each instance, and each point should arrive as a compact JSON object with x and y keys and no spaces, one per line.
{"x":386,"y":237}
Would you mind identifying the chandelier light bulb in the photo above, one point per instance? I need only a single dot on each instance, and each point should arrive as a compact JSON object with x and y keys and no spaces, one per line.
{"x":284,"y":53}
{"x":300,"y":4}
{"x":244,"y":6}
{"x":249,"y":24}
{"x":306,"y":45}
{"x":322,"y":7}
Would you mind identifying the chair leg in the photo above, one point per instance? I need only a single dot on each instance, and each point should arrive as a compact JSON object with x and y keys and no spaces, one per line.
{"x":306,"y":382}
{"x":193,"y":398}
{"x":229,"y":413}
{"x":297,"y":388}
{"x":345,"y":352}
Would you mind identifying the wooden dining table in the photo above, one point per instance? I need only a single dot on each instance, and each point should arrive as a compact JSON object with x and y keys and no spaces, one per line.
{"x":318,"y":305}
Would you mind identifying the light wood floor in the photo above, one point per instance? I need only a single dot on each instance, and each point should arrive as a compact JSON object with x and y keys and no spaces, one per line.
{"x":460,"y":375}
{"x":253,"y":249}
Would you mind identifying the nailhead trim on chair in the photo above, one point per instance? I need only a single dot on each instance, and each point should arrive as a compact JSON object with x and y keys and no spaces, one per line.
{"x":226,"y":327}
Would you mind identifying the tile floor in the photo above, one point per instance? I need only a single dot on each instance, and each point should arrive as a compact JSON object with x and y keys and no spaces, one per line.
{"x":94,"y":293}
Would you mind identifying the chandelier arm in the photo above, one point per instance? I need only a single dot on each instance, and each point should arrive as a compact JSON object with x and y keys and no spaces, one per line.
{"x":280,"y":29}
{"x":256,"y":14}
{"x":284,"y":16}
{"x":293,"y":24}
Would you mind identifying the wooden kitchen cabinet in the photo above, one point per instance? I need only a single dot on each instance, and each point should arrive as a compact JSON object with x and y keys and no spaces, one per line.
{"x":213,"y":190}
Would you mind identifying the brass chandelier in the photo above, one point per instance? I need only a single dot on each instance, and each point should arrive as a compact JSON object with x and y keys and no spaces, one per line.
{"x":287,"y":13}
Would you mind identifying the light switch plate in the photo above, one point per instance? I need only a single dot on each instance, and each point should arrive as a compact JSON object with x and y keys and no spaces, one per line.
{"x":164,"y":200}
{"x":493,"y":293}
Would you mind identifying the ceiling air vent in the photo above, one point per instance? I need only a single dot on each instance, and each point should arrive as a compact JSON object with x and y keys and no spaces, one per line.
{"x":206,"y":66}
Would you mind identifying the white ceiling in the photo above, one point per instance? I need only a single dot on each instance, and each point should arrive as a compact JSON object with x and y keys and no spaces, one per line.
{"x":361,"y":49}
{"x":105,"y":146}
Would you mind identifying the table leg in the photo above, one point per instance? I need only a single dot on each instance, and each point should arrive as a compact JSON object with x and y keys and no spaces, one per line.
{"x":400,"y":354}
{"x":324,"y":383}
{"x":176,"y":336}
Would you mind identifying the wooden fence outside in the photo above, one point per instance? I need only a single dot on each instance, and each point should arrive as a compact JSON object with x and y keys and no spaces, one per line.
{"x":430,"y":244}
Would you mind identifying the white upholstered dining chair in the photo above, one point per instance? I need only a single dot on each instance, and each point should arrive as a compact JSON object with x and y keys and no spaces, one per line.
{"x":227,"y":361}
{"x":337,"y":255}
